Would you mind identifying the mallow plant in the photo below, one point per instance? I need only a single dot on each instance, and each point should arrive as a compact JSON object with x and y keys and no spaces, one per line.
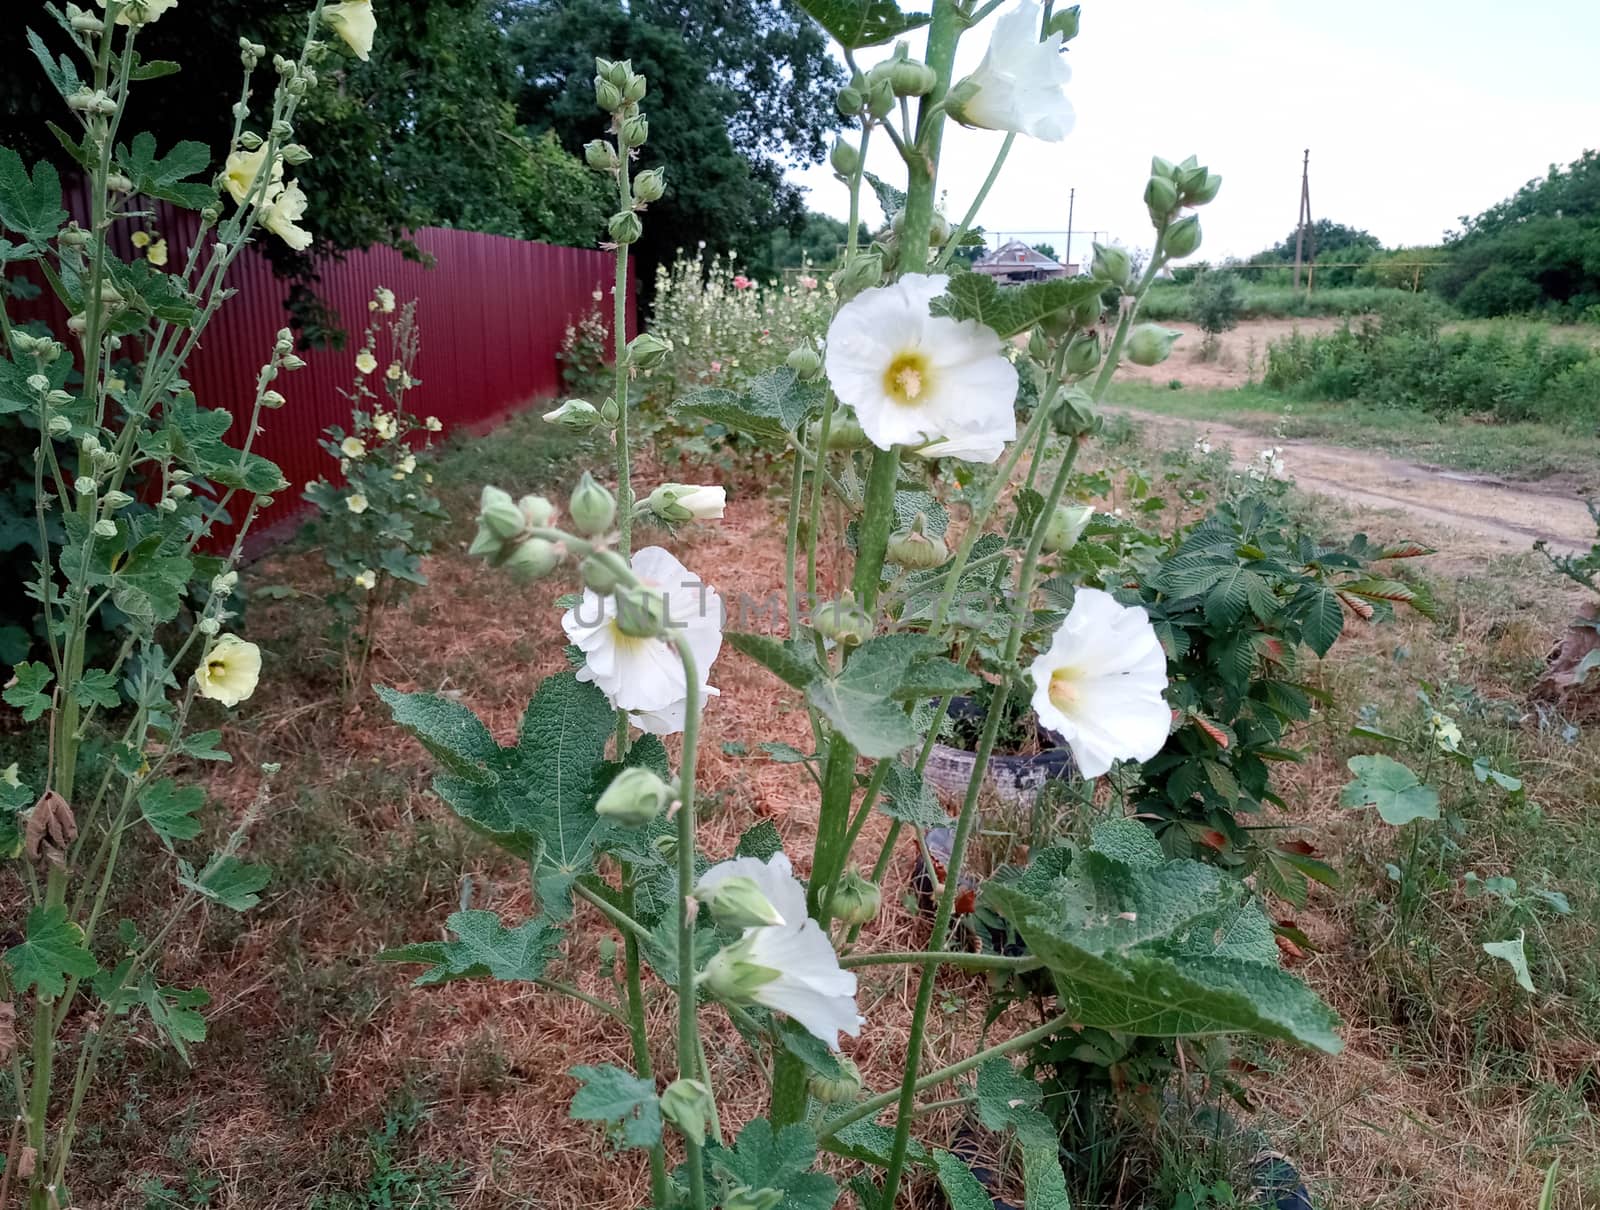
{"x":143,"y":496}
{"x":924,"y":368}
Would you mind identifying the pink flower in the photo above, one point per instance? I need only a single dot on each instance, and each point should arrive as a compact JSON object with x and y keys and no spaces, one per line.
{"x":741,"y":282}
{"x":716,"y":367}
{"x":810,"y":283}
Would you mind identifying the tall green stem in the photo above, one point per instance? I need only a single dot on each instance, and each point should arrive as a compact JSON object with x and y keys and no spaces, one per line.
{"x":688,"y":1018}
{"x":619,"y":341}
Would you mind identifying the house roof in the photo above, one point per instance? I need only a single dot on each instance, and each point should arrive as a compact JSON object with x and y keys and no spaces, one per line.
{"x":1015,"y":253}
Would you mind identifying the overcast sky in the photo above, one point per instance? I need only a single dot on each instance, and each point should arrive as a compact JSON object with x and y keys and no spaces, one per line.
{"x":1416,"y":112}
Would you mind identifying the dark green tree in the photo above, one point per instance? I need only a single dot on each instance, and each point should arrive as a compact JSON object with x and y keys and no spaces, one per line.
{"x":739,"y":91}
{"x":1337,"y":241}
{"x":818,"y":243}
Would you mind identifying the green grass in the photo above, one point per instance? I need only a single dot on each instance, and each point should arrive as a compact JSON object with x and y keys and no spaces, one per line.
{"x":1523,"y":450}
{"x":1167,"y":303}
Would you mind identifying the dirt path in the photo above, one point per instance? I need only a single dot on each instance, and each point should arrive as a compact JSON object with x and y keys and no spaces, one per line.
{"x":1465,"y":515}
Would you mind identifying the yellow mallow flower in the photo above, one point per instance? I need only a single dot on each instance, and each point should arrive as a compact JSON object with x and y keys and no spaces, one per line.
{"x":367,"y":579}
{"x":243,"y":167}
{"x":385,"y":425}
{"x":383,"y":298}
{"x":229,"y":671}
{"x":432,"y":424}
{"x":353,"y":447}
{"x":280,"y":215}
{"x":140,"y":239}
{"x":356,"y":503}
{"x":393,"y":372}
{"x":366,"y":362}
{"x":156,"y":254}
{"x":142,"y":11}
{"x":354,"y":22}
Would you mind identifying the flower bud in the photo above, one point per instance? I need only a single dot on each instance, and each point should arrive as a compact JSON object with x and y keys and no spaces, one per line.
{"x":592,"y":508}
{"x":1183,"y":237}
{"x":1161,"y":167}
{"x":618,"y":71}
{"x":880,"y":98}
{"x":636,"y":131}
{"x":746,"y":1198}
{"x":600,"y":155}
{"x":845,"y":433}
{"x":1064,"y":23}
{"x":804,"y":361}
{"x":633,"y":91}
{"x":1075,"y":414}
{"x":295,"y":153}
{"x":851,"y":101}
{"x":38,"y":383}
{"x":1149,"y":344}
{"x":532,"y":559}
{"x":641,"y":612}
{"x":686,"y":1104}
{"x":292,"y":362}
{"x":105,"y":529}
{"x":607,"y":95}
{"x":856,"y":900}
{"x":1161,"y":198}
{"x":909,"y":78}
{"x":116,"y":500}
{"x":272,"y":400}
{"x":1204,"y":191}
{"x":498,"y":513}
{"x":677,"y":502}
{"x":844,"y":158}
{"x":647,"y":351}
{"x":625,"y":227}
{"x":1087,"y":313}
{"x":1111,"y":264}
{"x":604,"y":570}
{"x":579,"y":415}
{"x":535,"y":510}
{"x":861,"y":272}
{"x":1083,"y":354}
{"x":914,"y":548}
{"x":1066,"y":526}
{"x":732,"y":977}
{"x":649,"y":185}
{"x":209,"y":626}
{"x":634,"y":797}
{"x":223,"y":584}
{"x":59,"y":426}
{"x":843,"y":621}
{"x":610,"y":413}
{"x":738,"y":903}
{"x":840,"y":1089}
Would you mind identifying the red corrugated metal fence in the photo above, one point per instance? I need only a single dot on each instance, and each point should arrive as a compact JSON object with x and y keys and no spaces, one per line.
{"x":491,"y":312}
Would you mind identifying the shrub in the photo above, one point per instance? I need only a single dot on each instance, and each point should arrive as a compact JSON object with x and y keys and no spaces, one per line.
{"x":1216,"y":300}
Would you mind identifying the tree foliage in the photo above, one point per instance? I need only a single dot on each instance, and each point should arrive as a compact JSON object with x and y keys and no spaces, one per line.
{"x":739,"y":91}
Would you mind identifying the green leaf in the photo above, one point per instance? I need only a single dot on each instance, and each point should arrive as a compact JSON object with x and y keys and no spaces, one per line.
{"x":1392,"y":788}
{"x":960,"y":1187}
{"x":1324,"y":621}
{"x":870,"y":1143}
{"x":1008,"y":1100}
{"x":1044,"y":1183}
{"x":28,"y":694}
{"x":483,"y":948}
{"x":792,"y":661}
{"x":620,"y":1099}
{"x":774,"y":405}
{"x":166,"y":176}
{"x":858,"y":23}
{"x":173,"y":1011}
{"x":808,"y":1048}
{"x":1128,"y":841}
{"x":30,"y":206}
{"x":1513,"y":955}
{"x":781,"y":1161}
{"x":227,"y":881}
{"x":153,"y":69}
{"x":1156,"y":951}
{"x":96,"y":687}
{"x":1012,"y":310}
{"x":201,"y":745}
{"x":859,"y":701}
{"x":171,"y":809}
{"x":906,"y":797}
{"x":53,"y":948}
{"x":537,"y":798}
{"x":760,"y":841}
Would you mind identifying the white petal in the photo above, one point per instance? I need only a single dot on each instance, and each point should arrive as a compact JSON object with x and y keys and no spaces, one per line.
{"x":810,"y":986}
{"x":775,"y":877}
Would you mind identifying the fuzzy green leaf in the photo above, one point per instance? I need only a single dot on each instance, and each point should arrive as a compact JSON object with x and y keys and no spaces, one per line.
{"x":1011,"y":310}
{"x":781,"y":1161}
{"x":620,"y":1099}
{"x":857,"y":23}
{"x":790,"y":660}
{"x":760,"y":841}
{"x":227,"y":881}
{"x":166,"y":176}
{"x":483,"y":948}
{"x":1514,"y":955}
{"x":96,"y":687}
{"x":28,"y":693}
{"x":906,"y":797}
{"x":859,"y":701}
{"x":774,"y":405}
{"x":961,"y":1188}
{"x":171,"y":809}
{"x":30,"y":206}
{"x":1392,"y":788}
{"x":51,"y":950}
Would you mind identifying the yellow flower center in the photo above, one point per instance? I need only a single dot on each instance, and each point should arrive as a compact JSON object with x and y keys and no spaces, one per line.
{"x":907,"y":379}
{"x":1064,"y":689}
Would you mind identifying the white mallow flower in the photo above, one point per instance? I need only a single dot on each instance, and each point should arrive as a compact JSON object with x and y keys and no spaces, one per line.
{"x":1100,"y":683}
{"x":972,"y":447}
{"x":791,"y":967}
{"x":687,"y":502}
{"x":645,"y":676}
{"x":1018,"y":86}
{"x":915,"y":378}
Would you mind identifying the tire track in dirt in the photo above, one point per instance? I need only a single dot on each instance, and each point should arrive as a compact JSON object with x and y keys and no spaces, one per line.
{"x":1465,"y":514}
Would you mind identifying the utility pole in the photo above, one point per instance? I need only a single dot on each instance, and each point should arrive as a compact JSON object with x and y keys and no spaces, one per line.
{"x":1072,"y":195}
{"x":1303,"y":232}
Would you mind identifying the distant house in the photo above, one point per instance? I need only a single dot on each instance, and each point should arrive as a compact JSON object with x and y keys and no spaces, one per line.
{"x":1017,"y":262}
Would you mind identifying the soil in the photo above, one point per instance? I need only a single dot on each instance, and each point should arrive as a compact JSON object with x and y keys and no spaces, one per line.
{"x":1241,"y":353}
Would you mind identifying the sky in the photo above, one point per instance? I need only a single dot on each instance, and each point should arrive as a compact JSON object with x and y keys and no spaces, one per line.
{"x":1416,"y":112}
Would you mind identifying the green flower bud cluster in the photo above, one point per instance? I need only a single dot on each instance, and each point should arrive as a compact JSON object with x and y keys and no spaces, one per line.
{"x":616,"y":84}
{"x":915,"y":548}
{"x":505,"y":535}
{"x":1172,"y":187}
{"x":901,"y":75}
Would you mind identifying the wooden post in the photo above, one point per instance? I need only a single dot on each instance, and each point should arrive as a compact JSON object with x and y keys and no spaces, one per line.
{"x":1072,"y":197}
{"x":1303,"y":231}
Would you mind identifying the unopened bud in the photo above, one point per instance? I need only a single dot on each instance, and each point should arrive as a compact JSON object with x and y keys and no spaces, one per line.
{"x":532,"y":559}
{"x":805,"y":362}
{"x":686,"y":1104}
{"x":105,"y":529}
{"x":223,"y":585}
{"x":1149,"y":344}
{"x":604,"y":570}
{"x":678,"y":502}
{"x":646,"y":351}
{"x":840,"y":1089}
{"x":1161,"y":198}
{"x":1083,"y":354}
{"x":843,"y":621}
{"x":880,"y":98}
{"x":909,"y":78}
{"x":1204,"y":191}
{"x":609,"y":411}
{"x":856,"y":900}
{"x":607,"y":95}
{"x":633,"y":91}
{"x":600,"y":155}
{"x":844,"y":158}
{"x":536,"y":511}
{"x":1075,"y":414}
{"x":634,"y":797}
{"x":59,"y":426}
{"x":209,"y":626}
{"x":845,"y":433}
{"x":115,"y":500}
{"x":1111,"y":264}
{"x":641,"y":612}
{"x":625,"y":227}
{"x":635,"y":131}
{"x":1064,"y":23}
{"x":914,"y":548}
{"x":579,"y":415}
{"x":861,"y":272}
{"x":499,"y":514}
{"x":1066,"y":526}
{"x":616,"y":70}
{"x":39,"y":384}
{"x":272,"y":400}
{"x":592,"y":507}
{"x":1183,"y":237}
{"x":738,"y":903}
{"x":649,"y":185}
{"x":851,"y":101}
